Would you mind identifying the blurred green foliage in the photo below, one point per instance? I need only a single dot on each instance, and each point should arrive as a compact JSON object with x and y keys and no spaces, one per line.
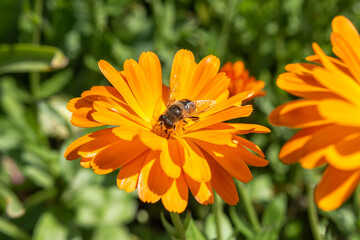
{"x":42,"y":196}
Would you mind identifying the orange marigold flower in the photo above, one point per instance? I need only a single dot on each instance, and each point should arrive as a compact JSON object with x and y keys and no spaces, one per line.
{"x":164,"y":160}
{"x":329,"y":115}
{"x":241,"y":80}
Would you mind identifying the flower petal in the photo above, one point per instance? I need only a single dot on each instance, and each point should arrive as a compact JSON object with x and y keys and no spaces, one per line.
{"x":182,"y":71}
{"x":303,"y":86}
{"x":202,"y":191}
{"x":127,"y":178}
{"x":71,"y":152}
{"x":171,"y":158}
{"x":292,"y":150}
{"x":297,"y":114}
{"x":144,"y":192}
{"x":335,"y":80}
{"x":230,"y":159}
{"x":176,"y":198}
{"x":158,"y":181}
{"x":222,"y":182}
{"x":230,"y":113}
{"x":195,"y":164}
{"x":340,"y":112}
{"x":347,"y":149}
{"x":141,"y":86}
{"x":117,"y":155}
{"x":332,"y":191}
{"x":119,"y":83}
{"x":345,"y":40}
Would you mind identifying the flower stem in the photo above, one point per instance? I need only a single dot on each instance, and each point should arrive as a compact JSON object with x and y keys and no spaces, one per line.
{"x":217,"y":209}
{"x":175,"y":218}
{"x":312,"y":214}
{"x":250,"y":210}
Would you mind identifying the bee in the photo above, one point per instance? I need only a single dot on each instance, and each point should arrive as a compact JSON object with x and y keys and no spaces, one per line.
{"x":181,"y":110}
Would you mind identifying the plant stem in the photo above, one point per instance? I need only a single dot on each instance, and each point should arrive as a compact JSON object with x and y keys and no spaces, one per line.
{"x":312,"y":214}
{"x":250,"y":210}
{"x":175,"y":218}
{"x":217,"y":209}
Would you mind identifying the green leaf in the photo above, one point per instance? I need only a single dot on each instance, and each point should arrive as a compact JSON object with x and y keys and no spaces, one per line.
{"x":193,"y":232}
{"x":55,"y":84}
{"x":227,"y":230}
{"x":240,"y":225}
{"x":30,"y":58}
{"x":38,"y":176}
{"x":112,"y":232}
{"x":11,"y":230}
{"x":13,"y":206}
{"x":49,"y":227}
{"x":273,"y":218}
{"x":168,"y":227}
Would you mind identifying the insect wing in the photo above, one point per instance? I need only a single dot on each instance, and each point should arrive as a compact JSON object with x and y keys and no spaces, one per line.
{"x":174,"y":87}
{"x":203,"y":106}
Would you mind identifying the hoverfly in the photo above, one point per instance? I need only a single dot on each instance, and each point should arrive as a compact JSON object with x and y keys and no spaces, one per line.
{"x":181,"y":110}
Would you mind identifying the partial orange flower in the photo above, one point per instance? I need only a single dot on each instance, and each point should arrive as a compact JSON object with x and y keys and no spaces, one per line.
{"x":241,"y":80}
{"x":200,"y":154}
{"x":328,"y":115}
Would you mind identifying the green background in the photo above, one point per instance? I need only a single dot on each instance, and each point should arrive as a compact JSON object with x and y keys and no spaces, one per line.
{"x":43,"y":196}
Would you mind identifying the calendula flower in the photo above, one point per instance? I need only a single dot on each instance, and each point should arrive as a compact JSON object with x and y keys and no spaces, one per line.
{"x":241,"y":80}
{"x":199,"y":153}
{"x":328,"y":115}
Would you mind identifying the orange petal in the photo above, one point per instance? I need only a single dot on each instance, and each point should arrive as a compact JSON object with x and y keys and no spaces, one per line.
{"x":117,"y":155}
{"x":230,"y":113}
{"x":90,"y":149}
{"x":85,"y":162}
{"x":212,"y":136}
{"x":234,"y":101}
{"x":113,"y":114}
{"x":195,"y":164}
{"x":345,"y":153}
{"x":150,"y":64}
{"x":345,"y":40}
{"x":144,"y":192}
{"x":335,"y":187}
{"x":152,"y":140}
{"x":127,"y":178}
{"x":202,"y":191}
{"x":335,"y":80}
{"x":340,"y":112}
{"x":119,"y":83}
{"x":297,"y":114}
{"x":219,"y":84}
{"x":158,"y":182}
{"x":292,"y":150}
{"x":182,"y":70}
{"x":239,"y":128}
{"x":171,"y":158}
{"x":250,"y":145}
{"x":303,"y":86}
{"x":205,"y":71}
{"x":83,"y":118}
{"x":316,"y":148}
{"x":230,"y":159}
{"x":71,"y":152}
{"x":140,"y":86}
{"x":104,"y":91}
{"x":176,"y":198}
{"x":222,"y":182}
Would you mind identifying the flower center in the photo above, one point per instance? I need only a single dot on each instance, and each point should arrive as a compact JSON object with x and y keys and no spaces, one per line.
{"x":160,"y":129}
